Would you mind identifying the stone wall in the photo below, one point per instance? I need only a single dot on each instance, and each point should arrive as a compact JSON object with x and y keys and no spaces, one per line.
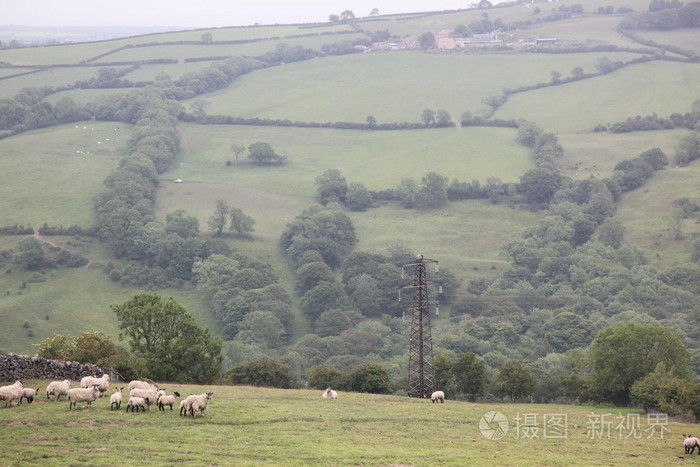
{"x":22,"y":367}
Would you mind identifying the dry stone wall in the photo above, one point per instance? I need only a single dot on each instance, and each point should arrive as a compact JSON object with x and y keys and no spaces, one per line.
{"x":14,"y":367}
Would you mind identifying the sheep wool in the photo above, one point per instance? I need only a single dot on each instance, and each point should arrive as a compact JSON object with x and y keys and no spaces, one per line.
{"x":29,"y":394}
{"x":690,"y":443}
{"x":136,"y":403}
{"x":329,"y":394}
{"x":437,"y":396}
{"x":167,"y":400}
{"x":11,"y":392}
{"x":88,"y":395}
{"x":151,"y":394}
{"x":58,"y":389}
{"x":136,"y":384}
{"x":102,"y":382}
{"x":199,"y":402}
{"x":115,"y":400}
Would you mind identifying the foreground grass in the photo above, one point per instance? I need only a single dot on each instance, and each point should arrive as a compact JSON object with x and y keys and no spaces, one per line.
{"x":247,"y":426}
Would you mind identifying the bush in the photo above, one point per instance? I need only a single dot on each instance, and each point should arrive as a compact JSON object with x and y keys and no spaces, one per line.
{"x":370,"y":377}
{"x":266,"y":372}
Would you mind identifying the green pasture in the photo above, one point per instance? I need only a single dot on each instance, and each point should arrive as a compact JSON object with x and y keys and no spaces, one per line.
{"x":687,"y":39}
{"x":590,"y":30}
{"x":85,"y":96}
{"x":656,"y":87}
{"x":149,"y":72}
{"x":48,"y":77}
{"x":248,"y":426}
{"x":394,"y":86}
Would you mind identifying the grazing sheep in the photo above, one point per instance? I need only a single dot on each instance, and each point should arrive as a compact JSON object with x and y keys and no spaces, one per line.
{"x":57,"y":389}
{"x":136,"y":403}
{"x":151,"y":394}
{"x":88,"y":395}
{"x":29,"y":394}
{"x":437,"y":396}
{"x":102,"y":382}
{"x":690,"y":443}
{"x":185,"y":405}
{"x":136,"y":384}
{"x":329,"y":393}
{"x":196,"y":402}
{"x":115,"y":399}
{"x":167,"y":400}
{"x":11,"y":392}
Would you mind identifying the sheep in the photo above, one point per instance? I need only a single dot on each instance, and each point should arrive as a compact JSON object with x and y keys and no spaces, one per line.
{"x":58,"y":389}
{"x":195,"y":402}
{"x":102,"y":382}
{"x":116,"y":399}
{"x":437,"y":396}
{"x":167,"y":400}
{"x":29,"y":394}
{"x":136,"y":403}
{"x":136,"y":384}
{"x":690,"y":443}
{"x":151,"y":393}
{"x":329,"y":393}
{"x":11,"y":392}
{"x":88,"y":395}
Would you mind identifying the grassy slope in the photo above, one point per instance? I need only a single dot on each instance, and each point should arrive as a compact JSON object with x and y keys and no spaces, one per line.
{"x":246,"y":426}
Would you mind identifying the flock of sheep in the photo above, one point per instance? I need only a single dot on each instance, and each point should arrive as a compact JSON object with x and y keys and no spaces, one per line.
{"x":142,"y":394}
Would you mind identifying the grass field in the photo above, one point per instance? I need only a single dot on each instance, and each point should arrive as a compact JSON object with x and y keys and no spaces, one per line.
{"x":249,"y":426}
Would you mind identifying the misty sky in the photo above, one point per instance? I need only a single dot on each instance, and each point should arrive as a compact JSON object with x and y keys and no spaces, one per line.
{"x":200,"y":13}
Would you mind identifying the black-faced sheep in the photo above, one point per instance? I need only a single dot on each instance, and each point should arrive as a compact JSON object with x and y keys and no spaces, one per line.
{"x":29,"y":394}
{"x":11,"y":392}
{"x":88,"y":395}
{"x":195,"y":402}
{"x":690,"y":443}
{"x":437,"y":396}
{"x":102,"y":382}
{"x":329,"y":394}
{"x":151,"y":394}
{"x":137,"y":384}
{"x":58,"y":389}
{"x":136,"y":403}
{"x":115,"y":400}
{"x":167,"y":400}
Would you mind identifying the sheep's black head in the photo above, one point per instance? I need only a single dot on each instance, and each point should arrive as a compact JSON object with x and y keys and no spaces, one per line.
{"x":177,"y":393}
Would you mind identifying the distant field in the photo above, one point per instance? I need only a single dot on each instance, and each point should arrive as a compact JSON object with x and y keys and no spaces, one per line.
{"x":661,"y":87}
{"x":47,"y":179}
{"x":56,"y":76}
{"x":687,"y":39}
{"x":392,"y":87}
{"x":249,"y":426}
{"x":592,"y":30}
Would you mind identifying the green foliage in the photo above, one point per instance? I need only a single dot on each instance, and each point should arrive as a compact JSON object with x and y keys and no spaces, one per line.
{"x":370,"y":377}
{"x":469,"y":373}
{"x":174,"y":346}
{"x":568,"y":331}
{"x":323,"y":376}
{"x":261,"y":153}
{"x":241,"y":223}
{"x":358,"y":197}
{"x":180,"y":223}
{"x":662,"y":391}
{"x":29,"y":253}
{"x":217,"y":221}
{"x":515,"y":381}
{"x":331,"y":186}
{"x":266,"y":372}
{"x":623,"y":354}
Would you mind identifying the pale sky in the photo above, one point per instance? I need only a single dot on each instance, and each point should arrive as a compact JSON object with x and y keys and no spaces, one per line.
{"x":200,"y":13}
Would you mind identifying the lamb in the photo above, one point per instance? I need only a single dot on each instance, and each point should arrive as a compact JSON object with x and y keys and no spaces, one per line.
{"x":151,"y":393}
{"x":88,"y":395}
{"x":437,"y":396}
{"x":329,"y":393}
{"x":116,"y":399}
{"x":29,"y":394}
{"x":136,"y":384}
{"x":136,"y":403}
{"x":167,"y":400}
{"x":102,"y":381}
{"x":690,"y":443}
{"x":58,"y":389}
{"x":11,"y":392}
{"x":195,"y":402}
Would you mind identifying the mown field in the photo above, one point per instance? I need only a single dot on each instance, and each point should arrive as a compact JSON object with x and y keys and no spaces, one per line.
{"x":249,"y":426}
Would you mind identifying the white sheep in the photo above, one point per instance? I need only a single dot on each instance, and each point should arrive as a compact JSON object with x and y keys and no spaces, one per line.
{"x":29,"y":394}
{"x":136,"y":384}
{"x":437,"y":396}
{"x":151,"y":393}
{"x":11,"y":392}
{"x":197,"y":402}
{"x":102,"y":382}
{"x":115,"y":399}
{"x":329,"y":393}
{"x":58,"y":389}
{"x":167,"y":400}
{"x":88,"y":395}
{"x":136,"y":403}
{"x":690,"y":443}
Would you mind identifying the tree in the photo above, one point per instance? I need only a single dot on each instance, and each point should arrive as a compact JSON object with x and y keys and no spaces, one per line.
{"x":207,"y":38}
{"x":374,"y":12}
{"x":611,"y":233}
{"x":568,"y":331}
{"x":174,"y":346}
{"x":371,"y":121}
{"x":30,"y":253}
{"x":358,"y":197}
{"x":265,"y":371}
{"x":622,"y":354}
{"x":426,"y":40}
{"x":325,"y":296}
{"x":241,"y":223}
{"x":433,"y":193}
{"x":261,"y":328}
{"x":333,"y":18}
{"x":371,"y":378}
{"x":514,"y":381}
{"x":215,"y":272}
{"x":470,"y":375}
{"x":331,"y":186}
{"x":443,"y":118}
{"x":181,"y":224}
{"x":347,"y":15}
{"x":237,"y":149}
{"x":309,"y":275}
{"x":323,"y":376}
{"x":577,"y":72}
{"x":261,"y":153}
{"x":539,"y":185}
{"x":554,"y":77}
{"x":217,"y":222}
{"x":428,"y":117}
{"x":199,"y":108}
{"x":407,"y":193}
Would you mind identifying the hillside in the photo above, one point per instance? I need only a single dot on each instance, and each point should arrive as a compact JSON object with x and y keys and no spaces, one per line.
{"x":336,"y":97}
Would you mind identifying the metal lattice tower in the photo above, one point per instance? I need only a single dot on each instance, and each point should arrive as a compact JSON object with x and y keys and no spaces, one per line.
{"x":421,"y":377}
